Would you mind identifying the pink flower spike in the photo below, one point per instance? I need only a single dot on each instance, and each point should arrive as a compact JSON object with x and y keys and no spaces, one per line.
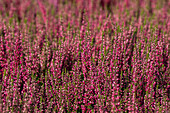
{"x":43,"y":10}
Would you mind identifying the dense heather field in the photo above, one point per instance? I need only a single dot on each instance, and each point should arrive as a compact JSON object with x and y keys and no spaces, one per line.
{"x":84,"y":56}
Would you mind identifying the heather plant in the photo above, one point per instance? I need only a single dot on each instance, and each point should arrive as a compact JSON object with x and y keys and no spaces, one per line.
{"x":84,"y":56}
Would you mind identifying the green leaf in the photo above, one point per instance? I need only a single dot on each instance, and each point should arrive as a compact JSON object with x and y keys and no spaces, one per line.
{"x":93,"y":40}
{"x":147,"y":56}
{"x":105,"y":51}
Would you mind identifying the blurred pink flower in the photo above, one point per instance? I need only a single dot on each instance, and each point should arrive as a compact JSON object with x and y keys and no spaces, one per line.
{"x":43,"y":10}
